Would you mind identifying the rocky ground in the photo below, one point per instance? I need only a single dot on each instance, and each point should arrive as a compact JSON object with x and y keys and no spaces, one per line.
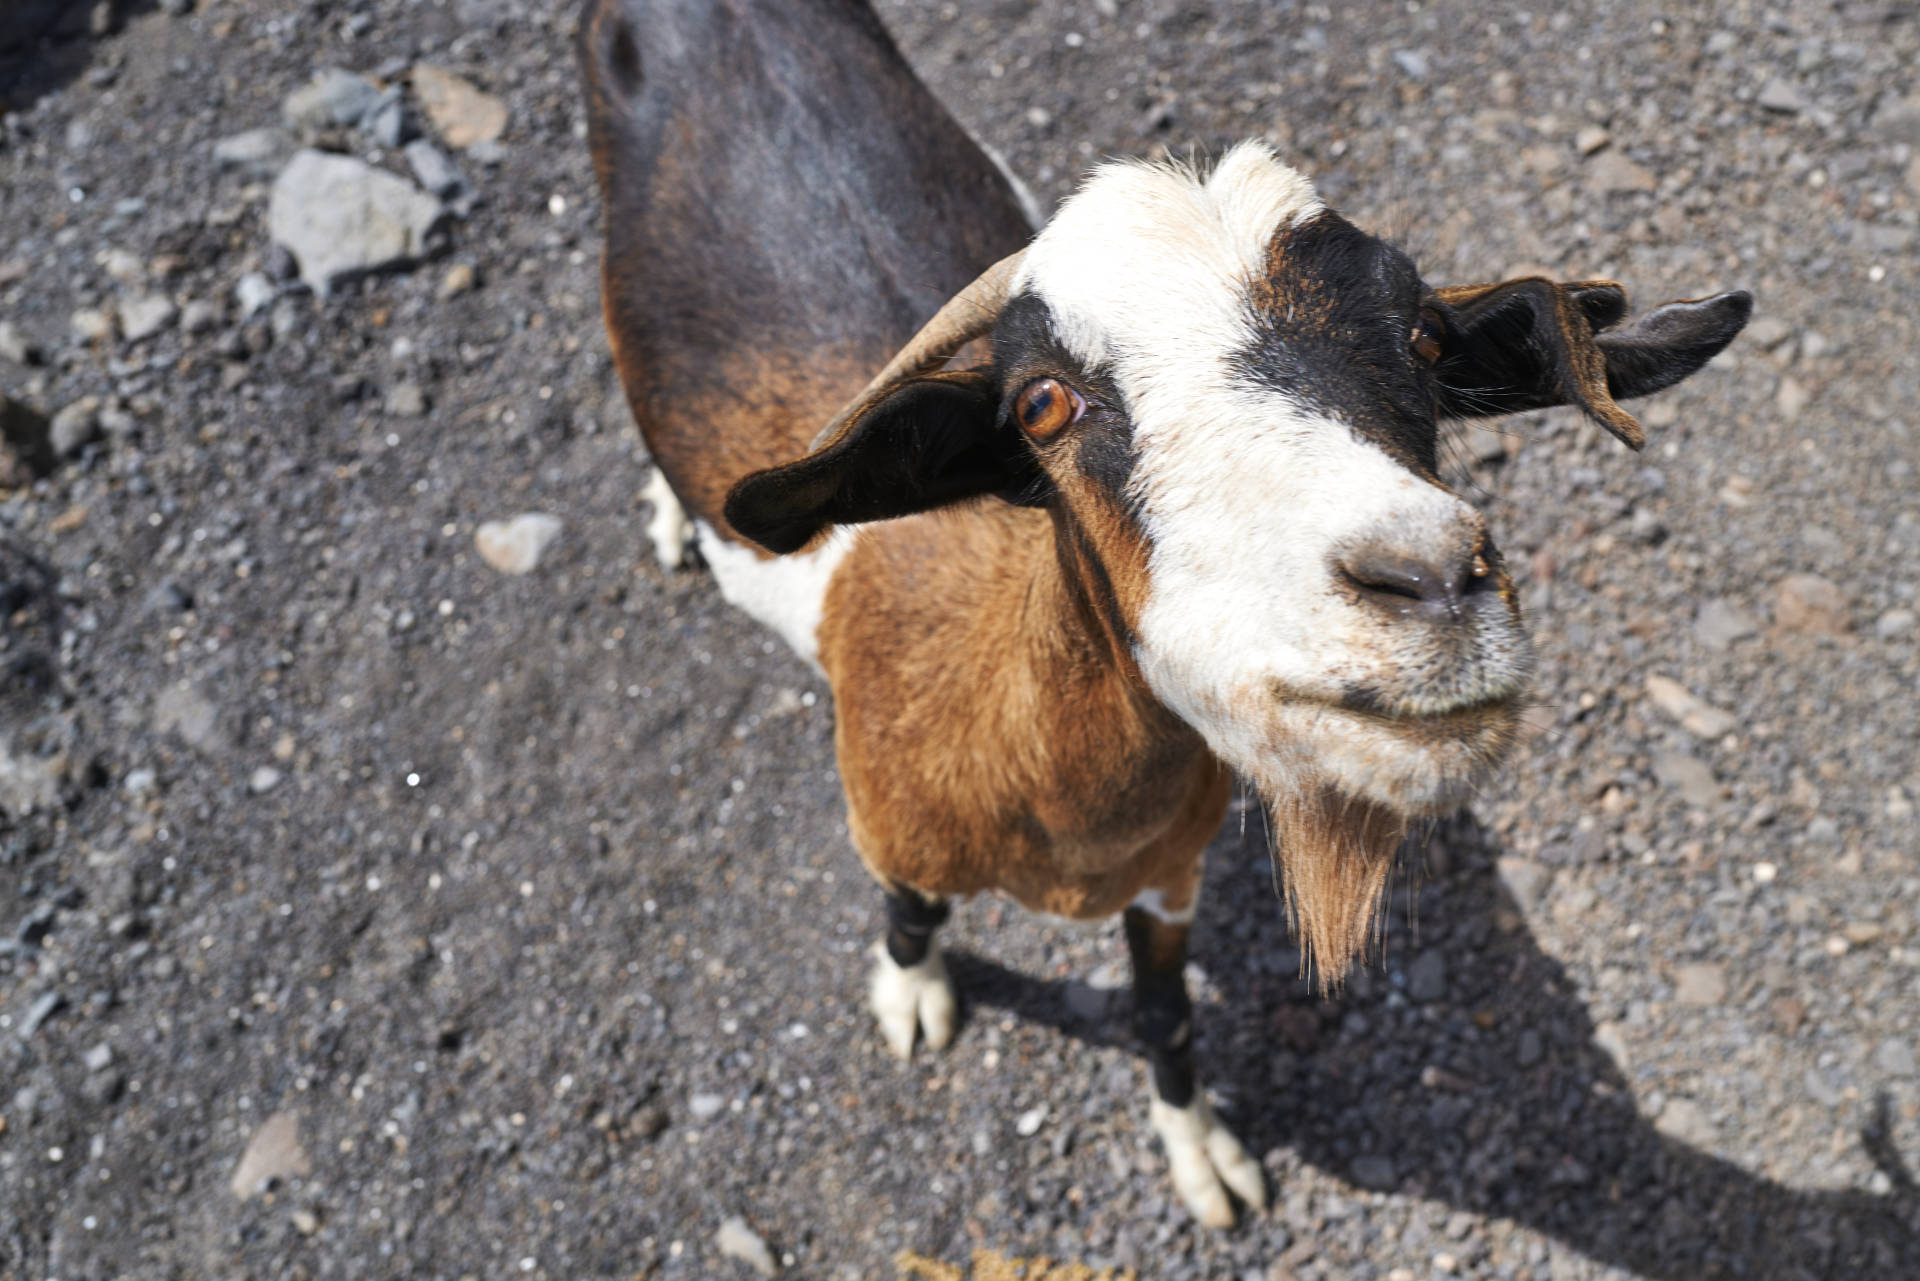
{"x":373,"y":907}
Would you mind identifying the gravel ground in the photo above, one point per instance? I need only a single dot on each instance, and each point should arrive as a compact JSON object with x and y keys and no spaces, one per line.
{"x":506,"y":922}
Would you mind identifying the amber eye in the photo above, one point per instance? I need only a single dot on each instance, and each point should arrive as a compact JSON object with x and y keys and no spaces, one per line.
{"x":1047,"y":405}
{"x":1425,"y":337}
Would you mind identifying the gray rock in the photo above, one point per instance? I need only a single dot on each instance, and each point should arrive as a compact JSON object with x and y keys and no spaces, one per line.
{"x":1413,"y":63}
{"x":1375,"y":1173}
{"x":1700,"y":984}
{"x":342,"y":218}
{"x":1782,"y":96}
{"x":1525,"y":879}
{"x":263,"y":780}
{"x":1427,"y":976}
{"x":738,"y":1241}
{"x":273,"y":1153}
{"x":705,"y":1107}
{"x":1687,"y":1121}
{"x":1690,"y":776}
{"x":1895,"y":1057}
{"x":257,"y":153}
{"x":434,"y":171}
{"x":1894,"y":624}
{"x":1530,"y":1048}
{"x":389,"y":122}
{"x":254,"y":293}
{"x":39,"y":1012}
{"x":99,"y":1058}
{"x":333,"y":98}
{"x":17,"y":347}
{"x":182,"y":709}
{"x":406,"y":400}
{"x":201,"y":316}
{"x":92,"y":324}
{"x":75,"y":427}
{"x":1721,"y":622}
{"x":145,"y":316}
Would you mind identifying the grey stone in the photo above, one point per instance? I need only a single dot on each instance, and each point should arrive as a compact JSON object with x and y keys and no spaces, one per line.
{"x":389,"y":122}
{"x":406,"y":400}
{"x":1375,"y":1173}
{"x":1690,"y":776}
{"x":1084,"y":1001}
{"x":333,"y":98}
{"x":17,"y":347}
{"x":257,"y":153}
{"x":99,"y":1058}
{"x":1721,"y":622}
{"x":1700,"y":984}
{"x":254,"y":293}
{"x":1895,"y":1057}
{"x":1427,"y":976}
{"x":738,"y":1241}
{"x":145,"y":316}
{"x":263,"y":780}
{"x":273,"y":1153}
{"x":342,"y":218}
{"x":705,"y":1107}
{"x":75,"y":426}
{"x":1525,"y":879}
{"x":182,"y":709}
{"x":434,"y":171}
{"x":43,"y":1008}
{"x":1687,"y":1121}
{"x":1894,"y":624}
{"x":1413,"y":63}
{"x":1783,"y":96}
{"x":201,"y":316}
{"x":1530,"y":1048}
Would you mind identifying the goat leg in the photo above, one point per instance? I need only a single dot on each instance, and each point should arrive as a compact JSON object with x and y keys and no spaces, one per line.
{"x":1205,"y":1158}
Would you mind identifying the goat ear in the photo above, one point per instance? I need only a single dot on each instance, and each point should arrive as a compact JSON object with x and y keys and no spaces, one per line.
{"x":1528,"y":344}
{"x":929,"y":442}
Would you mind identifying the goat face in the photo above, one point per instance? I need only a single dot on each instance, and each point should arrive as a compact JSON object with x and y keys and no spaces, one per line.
{"x":1228,"y":397}
{"x":1252,"y":385}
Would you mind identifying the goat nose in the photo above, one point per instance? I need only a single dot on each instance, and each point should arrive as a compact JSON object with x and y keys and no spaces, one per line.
{"x":1437,"y":590}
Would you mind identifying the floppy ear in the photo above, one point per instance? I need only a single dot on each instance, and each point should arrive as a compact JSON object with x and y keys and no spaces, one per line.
{"x":1528,"y":344}
{"x":928,"y":442}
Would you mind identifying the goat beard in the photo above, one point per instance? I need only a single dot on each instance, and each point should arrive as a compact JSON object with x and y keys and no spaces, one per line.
{"x":1336,"y":851}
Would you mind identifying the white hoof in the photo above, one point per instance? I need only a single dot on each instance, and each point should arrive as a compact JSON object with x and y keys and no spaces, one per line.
{"x":1206,"y":1160}
{"x":910,"y":999}
{"x":669,"y":528}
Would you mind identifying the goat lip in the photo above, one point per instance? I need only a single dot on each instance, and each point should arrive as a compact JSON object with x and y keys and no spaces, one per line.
{"x":1465,"y":714}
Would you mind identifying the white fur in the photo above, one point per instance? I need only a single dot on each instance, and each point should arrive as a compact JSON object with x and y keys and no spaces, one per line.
{"x":670,"y":529}
{"x":1155,"y":903}
{"x":1246,"y":494}
{"x":1205,"y":1160}
{"x":784,"y":592}
{"x":912,"y":998}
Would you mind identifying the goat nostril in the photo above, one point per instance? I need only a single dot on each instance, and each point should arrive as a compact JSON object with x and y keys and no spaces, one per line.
{"x":1410,"y":585}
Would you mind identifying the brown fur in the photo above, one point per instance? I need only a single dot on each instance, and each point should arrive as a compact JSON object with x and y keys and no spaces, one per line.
{"x":1335,"y":852}
{"x":1054,"y":776}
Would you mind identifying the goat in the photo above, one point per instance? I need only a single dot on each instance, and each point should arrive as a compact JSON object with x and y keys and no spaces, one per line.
{"x":1185,"y":522}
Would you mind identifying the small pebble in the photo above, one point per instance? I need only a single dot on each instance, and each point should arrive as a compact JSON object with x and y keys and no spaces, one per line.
{"x":515,"y":546}
{"x":738,"y":1241}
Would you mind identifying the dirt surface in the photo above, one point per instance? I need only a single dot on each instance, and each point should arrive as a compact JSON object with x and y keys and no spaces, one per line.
{"x":524,"y":904}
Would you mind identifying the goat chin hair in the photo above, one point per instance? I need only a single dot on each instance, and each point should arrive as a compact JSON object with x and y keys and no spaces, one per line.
{"x":1335,"y":853}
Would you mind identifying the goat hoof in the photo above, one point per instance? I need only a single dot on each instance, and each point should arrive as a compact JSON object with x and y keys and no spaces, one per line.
{"x":912,"y":1000}
{"x":1207,"y":1162}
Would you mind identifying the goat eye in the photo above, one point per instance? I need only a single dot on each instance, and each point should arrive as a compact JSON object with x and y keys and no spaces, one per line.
{"x":1046,"y":406}
{"x":1426,"y":334}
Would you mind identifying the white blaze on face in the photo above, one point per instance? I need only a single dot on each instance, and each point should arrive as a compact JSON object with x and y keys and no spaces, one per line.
{"x":1245,"y":493}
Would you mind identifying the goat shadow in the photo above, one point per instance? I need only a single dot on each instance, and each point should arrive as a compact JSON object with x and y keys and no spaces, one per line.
{"x":45,"y":44}
{"x":1493,"y":1098}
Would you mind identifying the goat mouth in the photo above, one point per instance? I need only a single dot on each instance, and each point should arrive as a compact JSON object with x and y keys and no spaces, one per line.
{"x":1464,"y":711}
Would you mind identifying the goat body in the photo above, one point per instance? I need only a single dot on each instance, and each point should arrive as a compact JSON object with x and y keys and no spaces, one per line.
{"x":1186,"y":523}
